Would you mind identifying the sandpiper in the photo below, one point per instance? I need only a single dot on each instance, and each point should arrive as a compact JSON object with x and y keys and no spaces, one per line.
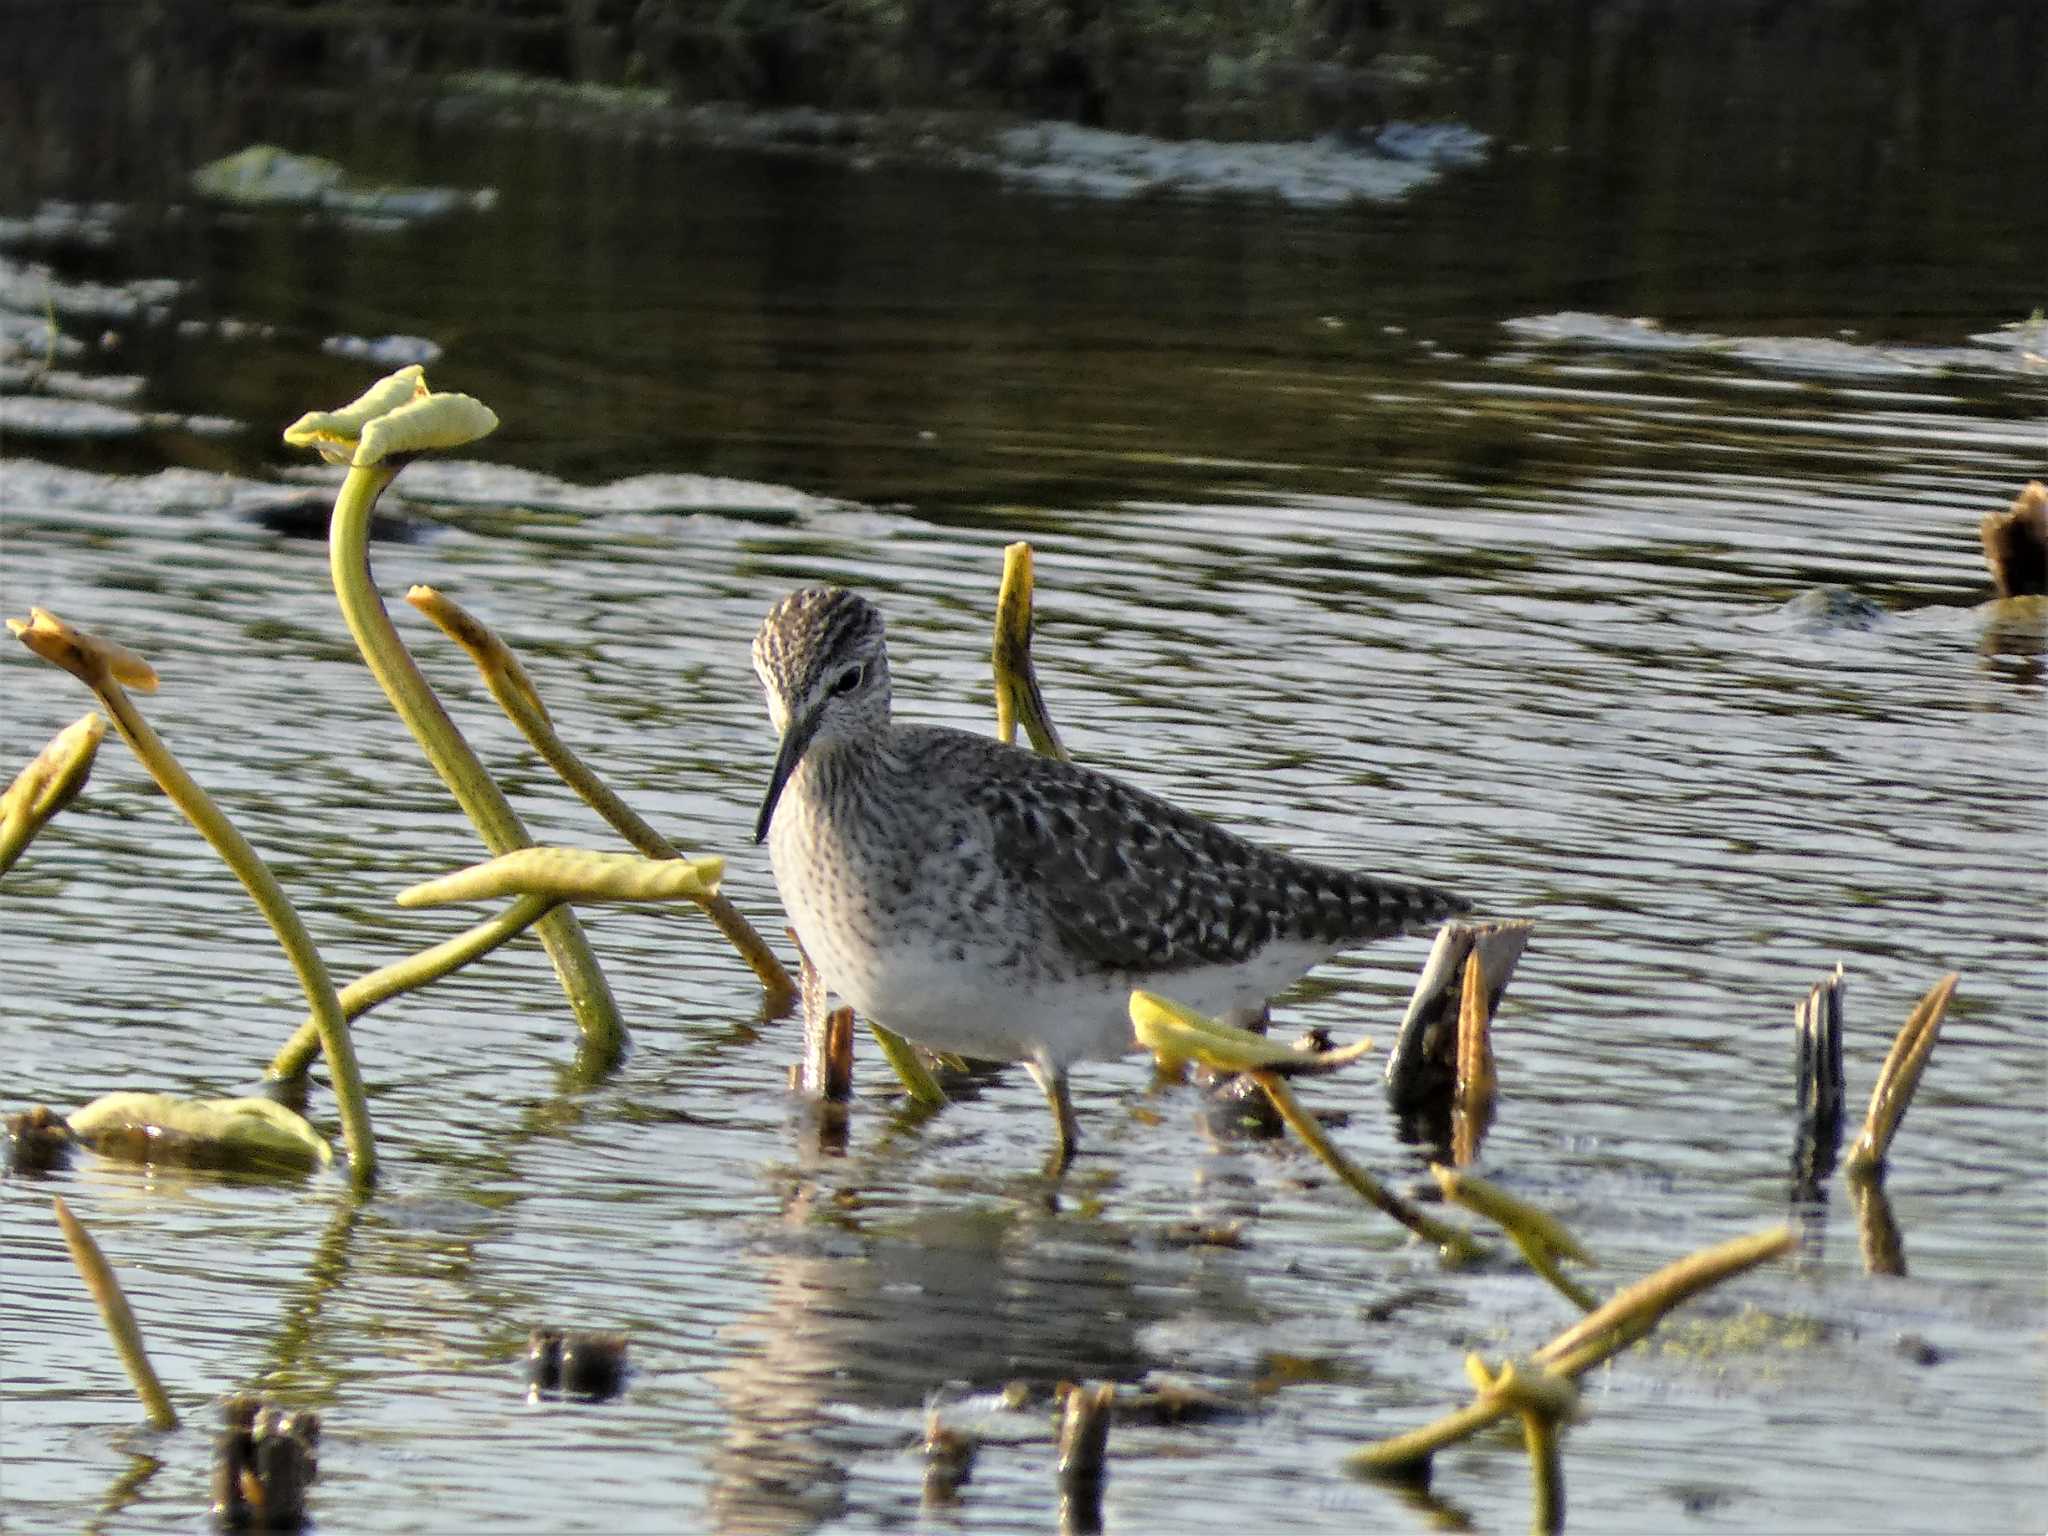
{"x":982,"y":899}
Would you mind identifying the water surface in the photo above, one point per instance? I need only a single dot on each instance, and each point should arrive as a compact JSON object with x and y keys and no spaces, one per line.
{"x":1329,"y":549}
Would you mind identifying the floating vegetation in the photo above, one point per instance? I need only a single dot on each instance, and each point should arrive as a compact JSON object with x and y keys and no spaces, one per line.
{"x":119,"y":1317}
{"x":264,"y":1465}
{"x":250,"y":1135}
{"x":264,"y":176}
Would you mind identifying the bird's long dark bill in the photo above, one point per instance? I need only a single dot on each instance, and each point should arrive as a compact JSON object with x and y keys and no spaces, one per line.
{"x":794,"y":741}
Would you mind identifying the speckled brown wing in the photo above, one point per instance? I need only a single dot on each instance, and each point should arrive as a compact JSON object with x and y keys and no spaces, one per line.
{"x":1134,"y":883}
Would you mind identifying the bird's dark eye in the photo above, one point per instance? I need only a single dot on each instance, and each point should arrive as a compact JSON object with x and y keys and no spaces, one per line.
{"x":848,"y":680}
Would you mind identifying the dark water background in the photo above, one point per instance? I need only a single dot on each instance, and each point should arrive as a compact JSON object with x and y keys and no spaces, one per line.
{"x":1344,"y":536}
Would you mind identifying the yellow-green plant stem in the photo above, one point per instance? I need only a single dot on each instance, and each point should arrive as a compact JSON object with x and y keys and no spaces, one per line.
{"x":916,"y":1077}
{"x":1017,"y":696}
{"x":1543,"y":1400}
{"x":415,"y":971}
{"x":513,"y":689}
{"x":1899,"y":1079}
{"x":1457,"y":1247}
{"x":1538,"y":1234}
{"x":1546,"y":1473}
{"x":1624,"y":1318}
{"x":590,"y":997}
{"x":570,"y":874}
{"x":1176,"y":1034}
{"x":1633,"y":1311}
{"x":47,"y":784}
{"x":119,"y":1317}
{"x":541,"y":879}
{"x":57,"y":642}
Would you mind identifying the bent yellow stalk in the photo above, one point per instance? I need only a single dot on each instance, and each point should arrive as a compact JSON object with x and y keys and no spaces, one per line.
{"x":398,"y":415}
{"x":571,"y":874}
{"x":916,"y":1077}
{"x":1541,"y":1237}
{"x":1175,"y":1033}
{"x":1017,"y":696}
{"x":50,"y":782}
{"x":118,"y":1316}
{"x":1624,"y":1318}
{"x":1899,"y":1078}
{"x":103,"y":668}
{"x":513,"y":689}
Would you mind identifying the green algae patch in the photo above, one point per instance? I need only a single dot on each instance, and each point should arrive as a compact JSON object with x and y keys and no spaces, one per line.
{"x":1750,"y":1332}
{"x":265,"y":176}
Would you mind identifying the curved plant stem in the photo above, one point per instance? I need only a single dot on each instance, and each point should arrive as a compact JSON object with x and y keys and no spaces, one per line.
{"x":332,"y":1026}
{"x":1539,"y":1236}
{"x":409,"y":974}
{"x":1018,"y":699}
{"x":118,"y":1316}
{"x":1624,"y":1318}
{"x":916,"y":1077}
{"x":1457,"y":1247}
{"x":589,"y":996}
{"x":86,"y":660}
{"x":1899,"y":1078}
{"x":48,"y":784}
{"x":516,"y":695}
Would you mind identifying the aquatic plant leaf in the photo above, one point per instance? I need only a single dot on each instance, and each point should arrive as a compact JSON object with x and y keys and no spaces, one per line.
{"x":264,"y":174}
{"x":432,"y":421}
{"x":1018,"y":698}
{"x":398,"y":414}
{"x":205,"y":1133}
{"x":336,"y":433}
{"x":1522,"y":1220}
{"x":86,"y":657}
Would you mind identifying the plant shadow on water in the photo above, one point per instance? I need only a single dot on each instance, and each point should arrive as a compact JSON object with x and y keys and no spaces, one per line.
{"x":1330,"y":550}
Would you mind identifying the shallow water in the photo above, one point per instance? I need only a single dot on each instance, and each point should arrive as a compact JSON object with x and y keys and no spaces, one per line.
{"x":1327,"y":548}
